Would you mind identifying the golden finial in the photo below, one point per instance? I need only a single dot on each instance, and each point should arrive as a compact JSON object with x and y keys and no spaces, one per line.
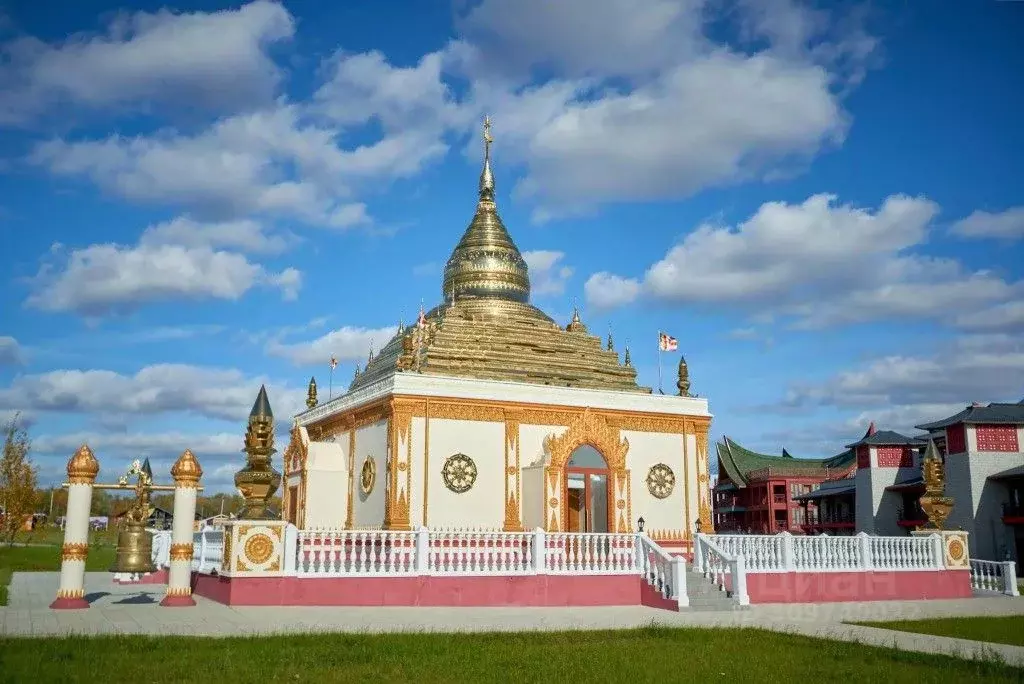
{"x":627,"y":361}
{"x":576,"y":325}
{"x":369,"y":359}
{"x":486,"y":177}
{"x":611,"y":344}
{"x":83,"y":466}
{"x":357,"y":371}
{"x":311,"y":399}
{"x":684,"y":377}
{"x":186,"y":471}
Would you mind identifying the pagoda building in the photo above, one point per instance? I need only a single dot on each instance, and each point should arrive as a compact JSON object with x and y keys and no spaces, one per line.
{"x":487,"y":414}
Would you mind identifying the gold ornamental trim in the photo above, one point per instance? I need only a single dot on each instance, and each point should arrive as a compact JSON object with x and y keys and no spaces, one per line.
{"x":77,"y":551}
{"x":70,"y":593}
{"x":83,"y":466}
{"x":226,"y":559}
{"x":526,"y":413}
{"x":181,"y":552}
{"x":178,"y":591}
{"x":259,"y":548}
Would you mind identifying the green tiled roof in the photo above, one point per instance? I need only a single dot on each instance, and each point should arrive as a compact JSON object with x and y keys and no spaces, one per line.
{"x":738,"y":463}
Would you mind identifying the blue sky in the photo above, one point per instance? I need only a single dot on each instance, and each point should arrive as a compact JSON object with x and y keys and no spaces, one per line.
{"x":825,"y":206}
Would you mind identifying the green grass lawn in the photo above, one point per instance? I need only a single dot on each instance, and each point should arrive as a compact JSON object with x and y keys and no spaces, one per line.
{"x":645,"y":655}
{"x":47,"y":558}
{"x":997,"y":630}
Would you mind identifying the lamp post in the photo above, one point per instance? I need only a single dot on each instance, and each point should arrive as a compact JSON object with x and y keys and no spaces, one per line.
{"x":640,"y":524}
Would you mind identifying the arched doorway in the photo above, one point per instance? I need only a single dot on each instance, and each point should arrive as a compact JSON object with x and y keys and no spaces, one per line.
{"x":586,"y":480}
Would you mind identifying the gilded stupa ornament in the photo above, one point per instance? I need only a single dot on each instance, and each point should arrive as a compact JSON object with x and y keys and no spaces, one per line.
{"x":83,"y":466}
{"x":186,"y":471}
{"x":611,"y":344}
{"x":258,"y":480}
{"x":311,"y":400}
{"x":627,"y":361}
{"x":576,"y":325}
{"x":935,"y":504}
{"x":683,"y":383}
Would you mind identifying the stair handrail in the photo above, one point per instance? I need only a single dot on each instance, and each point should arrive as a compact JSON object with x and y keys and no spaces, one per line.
{"x":717,"y":564}
{"x":664,"y":572}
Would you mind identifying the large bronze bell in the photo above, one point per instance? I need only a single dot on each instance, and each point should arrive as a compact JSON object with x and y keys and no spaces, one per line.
{"x":134,"y":550}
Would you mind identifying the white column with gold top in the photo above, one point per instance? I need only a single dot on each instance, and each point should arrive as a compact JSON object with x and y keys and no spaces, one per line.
{"x":82,"y":470}
{"x":186,"y":473}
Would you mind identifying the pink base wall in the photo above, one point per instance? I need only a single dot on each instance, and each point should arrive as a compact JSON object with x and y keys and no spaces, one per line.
{"x":832,"y":587}
{"x":532,"y":590}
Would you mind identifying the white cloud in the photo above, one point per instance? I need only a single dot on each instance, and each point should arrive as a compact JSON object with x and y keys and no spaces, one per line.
{"x":809,"y":261}
{"x":608,"y":291}
{"x":1005,"y":225}
{"x":346,"y":344}
{"x":109,"y":278}
{"x":982,"y":368}
{"x":211,"y":60}
{"x":243,"y":235}
{"x":643,"y":105}
{"x":1007,"y":316}
{"x":161,"y":388}
{"x":10,"y":351}
{"x":548,"y":275}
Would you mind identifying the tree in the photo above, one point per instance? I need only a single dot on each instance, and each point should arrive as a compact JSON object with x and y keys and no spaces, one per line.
{"x":17,"y":479}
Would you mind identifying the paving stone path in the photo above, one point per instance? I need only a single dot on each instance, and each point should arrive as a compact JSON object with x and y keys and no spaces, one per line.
{"x":133,"y":609}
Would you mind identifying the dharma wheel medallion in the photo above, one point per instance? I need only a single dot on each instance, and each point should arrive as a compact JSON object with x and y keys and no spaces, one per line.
{"x":259,"y":549}
{"x":459,"y":473}
{"x":368,"y":475}
{"x":660,"y":481}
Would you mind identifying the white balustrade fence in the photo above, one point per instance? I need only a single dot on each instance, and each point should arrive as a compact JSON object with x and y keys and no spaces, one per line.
{"x":994,"y":576}
{"x":787,"y":553}
{"x":207,"y":549}
{"x":339,"y":553}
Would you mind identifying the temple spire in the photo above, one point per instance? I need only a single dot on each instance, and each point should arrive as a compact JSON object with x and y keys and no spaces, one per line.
{"x":486,"y":177}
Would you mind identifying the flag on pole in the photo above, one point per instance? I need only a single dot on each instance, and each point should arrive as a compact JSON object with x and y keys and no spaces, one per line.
{"x":421,"y":322}
{"x":667,"y":343}
{"x":334,"y":363}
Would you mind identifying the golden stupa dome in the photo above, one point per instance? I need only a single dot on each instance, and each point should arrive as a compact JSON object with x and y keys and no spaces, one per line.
{"x":486,"y":271}
{"x":83,"y":466}
{"x":186,"y":471}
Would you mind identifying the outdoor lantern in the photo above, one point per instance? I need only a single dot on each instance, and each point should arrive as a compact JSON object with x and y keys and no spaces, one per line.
{"x":696,"y":526}
{"x":640,"y":524}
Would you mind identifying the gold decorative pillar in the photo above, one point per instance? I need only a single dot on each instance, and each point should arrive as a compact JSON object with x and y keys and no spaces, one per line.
{"x":82,"y":470}
{"x":704,"y":515}
{"x":186,"y":472}
{"x":513,"y":513}
{"x":399,"y":468}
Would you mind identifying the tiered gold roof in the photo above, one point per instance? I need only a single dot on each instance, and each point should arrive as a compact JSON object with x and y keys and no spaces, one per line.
{"x":487,"y":329}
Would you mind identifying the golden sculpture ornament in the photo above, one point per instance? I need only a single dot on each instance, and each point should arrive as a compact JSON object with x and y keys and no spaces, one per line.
{"x":660,"y":481}
{"x":459,"y":473}
{"x":181,"y":552}
{"x":955,"y":550}
{"x":258,"y":549}
{"x":186,"y":471}
{"x":83,"y":466}
{"x":73,"y":552}
{"x":368,"y":475}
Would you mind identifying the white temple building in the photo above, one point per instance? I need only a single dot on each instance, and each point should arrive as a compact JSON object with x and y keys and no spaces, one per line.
{"x":488,"y":415}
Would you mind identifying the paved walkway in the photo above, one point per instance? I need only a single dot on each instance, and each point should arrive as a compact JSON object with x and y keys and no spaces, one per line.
{"x":133,"y":609}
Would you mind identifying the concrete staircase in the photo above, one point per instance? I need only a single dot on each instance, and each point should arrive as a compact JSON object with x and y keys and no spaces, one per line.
{"x":705,"y":596}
